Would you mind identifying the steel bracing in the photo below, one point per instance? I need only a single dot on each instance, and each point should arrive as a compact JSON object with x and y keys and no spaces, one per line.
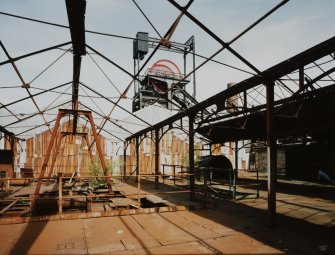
{"x":271,"y":104}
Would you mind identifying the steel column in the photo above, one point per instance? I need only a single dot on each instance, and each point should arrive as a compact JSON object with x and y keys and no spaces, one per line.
{"x":137,"y":145}
{"x":236,"y":156}
{"x":194,"y":81}
{"x":271,"y":154}
{"x":60,"y":193}
{"x":157,"y":158}
{"x":301,"y":77}
{"x":124,"y":160}
{"x":191,"y":154}
{"x":47,"y":156}
{"x":235,"y":173}
{"x":89,"y":148}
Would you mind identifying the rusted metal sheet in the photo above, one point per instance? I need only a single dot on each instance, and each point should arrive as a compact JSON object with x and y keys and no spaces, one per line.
{"x":241,"y":244}
{"x":63,"y":162}
{"x":95,"y":214}
{"x":63,"y":237}
{"x":108,"y":235}
{"x":169,"y":234}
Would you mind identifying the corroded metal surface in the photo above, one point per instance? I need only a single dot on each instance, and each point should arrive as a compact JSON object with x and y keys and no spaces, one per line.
{"x":232,"y":228}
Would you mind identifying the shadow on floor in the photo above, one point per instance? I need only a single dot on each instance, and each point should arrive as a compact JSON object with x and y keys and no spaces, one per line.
{"x":308,"y":190}
{"x":28,"y":238}
{"x":292,"y":235}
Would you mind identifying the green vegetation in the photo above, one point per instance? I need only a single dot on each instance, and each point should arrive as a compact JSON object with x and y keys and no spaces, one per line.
{"x":95,"y":169}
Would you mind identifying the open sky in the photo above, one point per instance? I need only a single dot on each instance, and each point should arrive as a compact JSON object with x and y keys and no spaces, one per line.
{"x":294,"y":27}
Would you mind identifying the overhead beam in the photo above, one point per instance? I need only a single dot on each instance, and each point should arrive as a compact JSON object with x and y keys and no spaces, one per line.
{"x":274,"y":73}
{"x":33,"y":95}
{"x":116,"y":104}
{"x":5,"y":131}
{"x":76,"y":16}
{"x":105,"y":117}
{"x":25,"y":85}
{"x":33,"y":115}
{"x":214,"y":36}
{"x":34,"y":53}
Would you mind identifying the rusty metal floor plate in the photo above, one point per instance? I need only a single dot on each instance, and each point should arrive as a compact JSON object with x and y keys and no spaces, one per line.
{"x":305,"y":226}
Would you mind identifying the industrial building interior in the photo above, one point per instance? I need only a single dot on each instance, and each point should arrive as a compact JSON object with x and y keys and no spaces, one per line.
{"x":105,"y":151}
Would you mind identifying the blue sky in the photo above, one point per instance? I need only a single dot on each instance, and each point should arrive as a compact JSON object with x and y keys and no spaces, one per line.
{"x":296,"y":26}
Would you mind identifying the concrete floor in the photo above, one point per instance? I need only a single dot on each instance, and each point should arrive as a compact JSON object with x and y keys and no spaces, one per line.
{"x":305,"y":225}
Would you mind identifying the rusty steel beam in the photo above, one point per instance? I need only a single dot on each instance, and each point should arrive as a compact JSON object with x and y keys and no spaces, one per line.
{"x":3,"y":211}
{"x":224,"y":46}
{"x":275,"y":72}
{"x":101,"y":156}
{"x":54,"y":156}
{"x":34,"y":53}
{"x":47,"y":156}
{"x":108,"y":119}
{"x":97,"y":214}
{"x":104,"y":131}
{"x":12,"y":113}
{"x":5,"y":131}
{"x":76,"y":16}
{"x":33,"y":95}
{"x":135,"y":77}
{"x":85,"y":138}
{"x":115,"y":103}
{"x":87,"y":114}
{"x":137,"y":148}
{"x":112,"y":62}
{"x":124,"y":160}
{"x":70,"y":133}
{"x":24,"y":84}
{"x":165,"y":41}
{"x":72,"y":112}
{"x":33,"y":115}
{"x":214,"y":36}
{"x":75,"y":89}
